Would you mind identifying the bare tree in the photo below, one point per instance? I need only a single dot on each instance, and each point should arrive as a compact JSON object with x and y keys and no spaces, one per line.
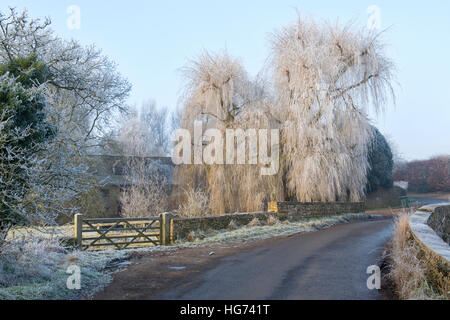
{"x":146,"y":191}
{"x":145,"y":132}
{"x":156,"y":122}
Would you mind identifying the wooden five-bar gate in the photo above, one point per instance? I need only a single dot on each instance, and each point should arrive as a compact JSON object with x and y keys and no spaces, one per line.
{"x":121,"y":233}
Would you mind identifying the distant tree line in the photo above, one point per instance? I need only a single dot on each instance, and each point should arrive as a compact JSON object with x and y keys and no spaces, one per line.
{"x":425,"y":176}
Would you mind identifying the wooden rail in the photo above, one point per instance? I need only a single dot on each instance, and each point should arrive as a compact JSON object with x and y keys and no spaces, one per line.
{"x":121,"y":233}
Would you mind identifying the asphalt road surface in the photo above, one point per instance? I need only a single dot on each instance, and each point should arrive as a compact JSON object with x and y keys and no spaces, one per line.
{"x":328,"y":264}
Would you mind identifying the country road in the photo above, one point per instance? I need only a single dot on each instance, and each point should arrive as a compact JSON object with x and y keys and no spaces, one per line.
{"x":328,"y":264}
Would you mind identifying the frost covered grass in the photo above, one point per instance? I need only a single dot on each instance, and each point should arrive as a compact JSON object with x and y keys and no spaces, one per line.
{"x":36,"y":268}
{"x":64,"y":231}
{"x":253,"y":231}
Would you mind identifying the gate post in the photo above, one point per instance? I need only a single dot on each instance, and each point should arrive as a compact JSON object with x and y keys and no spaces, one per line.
{"x":164,"y":228}
{"x":78,"y":229}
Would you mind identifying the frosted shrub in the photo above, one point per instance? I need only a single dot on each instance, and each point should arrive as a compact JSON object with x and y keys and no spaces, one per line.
{"x":254,"y":223}
{"x":146,"y":192}
{"x":195,"y":203}
{"x":272,"y":220}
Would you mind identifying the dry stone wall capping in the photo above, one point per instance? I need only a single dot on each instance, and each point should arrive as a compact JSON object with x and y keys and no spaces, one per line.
{"x":291,"y":211}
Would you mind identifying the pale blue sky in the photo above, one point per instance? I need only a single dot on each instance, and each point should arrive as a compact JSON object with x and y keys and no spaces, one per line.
{"x":151,"y":40}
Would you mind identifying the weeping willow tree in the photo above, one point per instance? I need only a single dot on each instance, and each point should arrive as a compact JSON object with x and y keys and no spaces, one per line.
{"x":325,"y":77}
{"x":322,"y":79}
{"x":220,"y":95}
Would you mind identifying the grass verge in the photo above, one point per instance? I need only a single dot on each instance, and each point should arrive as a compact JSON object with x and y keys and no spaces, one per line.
{"x":37,"y":268}
{"x":253,"y":231}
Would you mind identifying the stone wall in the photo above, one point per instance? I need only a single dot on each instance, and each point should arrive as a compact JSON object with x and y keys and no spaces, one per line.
{"x":432,"y":251}
{"x":439,"y":221}
{"x":295,"y":211}
{"x":183,"y":226}
{"x":291,"y":211}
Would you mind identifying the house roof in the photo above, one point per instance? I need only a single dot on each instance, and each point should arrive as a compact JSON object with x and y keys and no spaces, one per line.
{"x":110,"y":170}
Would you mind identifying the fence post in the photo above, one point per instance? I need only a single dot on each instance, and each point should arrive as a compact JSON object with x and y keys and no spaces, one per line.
{"x":164,"y":228}
{"x":78,"y":229}
{"x":171,"y":235}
